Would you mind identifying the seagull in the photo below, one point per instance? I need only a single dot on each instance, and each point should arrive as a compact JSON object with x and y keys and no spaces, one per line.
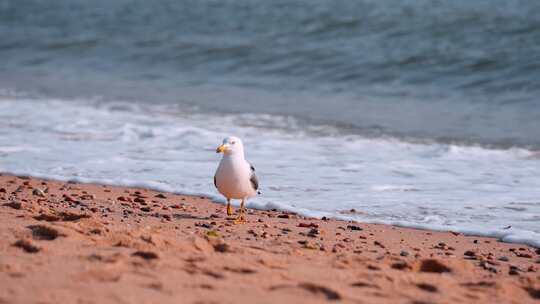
{"x":235,"y":177}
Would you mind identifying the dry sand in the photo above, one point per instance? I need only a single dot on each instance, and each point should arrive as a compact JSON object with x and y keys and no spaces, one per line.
{"x":76,"y":243}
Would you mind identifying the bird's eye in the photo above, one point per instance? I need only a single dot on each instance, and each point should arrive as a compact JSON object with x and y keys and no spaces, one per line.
{"x":233,"y":142}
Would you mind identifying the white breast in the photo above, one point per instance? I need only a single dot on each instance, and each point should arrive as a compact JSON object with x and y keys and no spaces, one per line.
{"x":232,"y":178}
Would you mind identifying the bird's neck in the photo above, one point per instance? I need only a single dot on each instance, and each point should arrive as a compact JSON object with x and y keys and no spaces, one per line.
{"x":234,"y":156}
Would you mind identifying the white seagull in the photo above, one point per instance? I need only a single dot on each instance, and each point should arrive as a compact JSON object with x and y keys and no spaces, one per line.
{"x":235,"y":177}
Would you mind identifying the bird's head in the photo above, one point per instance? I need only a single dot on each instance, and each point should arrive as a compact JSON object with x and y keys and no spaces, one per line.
{"x":230,"y":146}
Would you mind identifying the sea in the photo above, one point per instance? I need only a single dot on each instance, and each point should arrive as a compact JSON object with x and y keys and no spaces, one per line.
{"x":417,"y":113}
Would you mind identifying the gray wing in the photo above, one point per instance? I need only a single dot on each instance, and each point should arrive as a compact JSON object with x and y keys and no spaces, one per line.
{"x":253,"y":178}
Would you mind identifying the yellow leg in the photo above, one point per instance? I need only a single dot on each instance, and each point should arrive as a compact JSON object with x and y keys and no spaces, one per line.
{"x":229,"y":208}
{"x":241,"y":216}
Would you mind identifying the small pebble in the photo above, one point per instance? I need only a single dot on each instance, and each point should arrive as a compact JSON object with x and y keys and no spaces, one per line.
{"x":354,"y":227}
{"x":469,"y":253}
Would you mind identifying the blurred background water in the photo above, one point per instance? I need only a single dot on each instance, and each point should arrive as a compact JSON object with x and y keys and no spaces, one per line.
{"x":466,"y":71}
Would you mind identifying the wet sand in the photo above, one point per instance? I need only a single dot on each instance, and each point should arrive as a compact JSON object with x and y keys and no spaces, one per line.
{"x":78,"y":243}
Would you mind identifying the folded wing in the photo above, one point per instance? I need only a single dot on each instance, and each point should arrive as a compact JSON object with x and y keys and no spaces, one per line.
{"x":253,"y":178}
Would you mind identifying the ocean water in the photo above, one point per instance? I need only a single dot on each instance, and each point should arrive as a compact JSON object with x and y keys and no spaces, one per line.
{"x":417,"y":113}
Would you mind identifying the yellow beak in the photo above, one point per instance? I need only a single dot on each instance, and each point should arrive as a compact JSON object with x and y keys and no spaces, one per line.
{"x":221,"y":149}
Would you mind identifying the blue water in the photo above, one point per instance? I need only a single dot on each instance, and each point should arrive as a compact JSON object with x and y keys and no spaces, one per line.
{"x":455,"y":71}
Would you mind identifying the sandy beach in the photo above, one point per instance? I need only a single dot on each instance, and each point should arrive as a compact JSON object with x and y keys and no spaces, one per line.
{"x":79,"y":243}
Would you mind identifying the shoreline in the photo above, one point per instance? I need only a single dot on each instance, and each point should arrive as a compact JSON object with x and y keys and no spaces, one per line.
{"x":96,"y":243}
{"x":498,"y":234}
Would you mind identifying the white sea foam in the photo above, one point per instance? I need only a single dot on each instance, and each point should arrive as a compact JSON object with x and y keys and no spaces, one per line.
{"x":307,"y":169}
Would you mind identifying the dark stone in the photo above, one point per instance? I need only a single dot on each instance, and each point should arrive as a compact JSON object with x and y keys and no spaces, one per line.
{"x":14,"y":205}
{"x":432,"y":265}
{"x":330,"y":294}
{"x":377,"y":243}
{"x":401,"y":265}
{"x":313,"y":232}
{"x":354,"y":227}
{"x":469,"y":253}
{"x":222,"y":247}
{"x":26,"y":246}
{"x":427,"y":287}
{"x":42,"y":232}
{"x":308,"y":225}
{"x":147,"y":255}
